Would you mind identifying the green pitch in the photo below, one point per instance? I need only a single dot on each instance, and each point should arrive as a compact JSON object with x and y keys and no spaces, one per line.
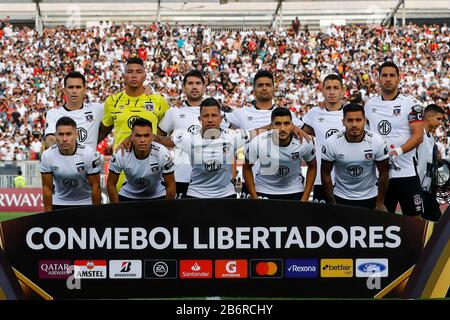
{"x":12,"y":215}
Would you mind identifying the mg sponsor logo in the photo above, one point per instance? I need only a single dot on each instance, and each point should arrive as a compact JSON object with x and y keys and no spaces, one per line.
{"x":372,"y":268}
{"x":54,"y":269}
{"x":336,"y":268}
{"x":160,"y":269}
{"x":125,"y":269}
{"x":212,"y":166}
{"x":90,"y":269}
{"x":266,"y":268}
{"x":301,"y":268}
{"x":195,"y":269}
{"x":231,"y":269}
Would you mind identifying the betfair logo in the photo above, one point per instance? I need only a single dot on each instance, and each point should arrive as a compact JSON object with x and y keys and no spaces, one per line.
{"x":336,"y":268}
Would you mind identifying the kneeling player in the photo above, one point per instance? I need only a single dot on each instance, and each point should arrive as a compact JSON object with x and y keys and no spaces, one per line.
{"x":71,"y":170}
{"x":145,"y":166}
{"x":354,"y":153}
{"x":280,"y":156}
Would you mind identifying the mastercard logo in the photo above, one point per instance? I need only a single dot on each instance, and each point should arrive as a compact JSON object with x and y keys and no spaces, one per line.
{"x":266,"y":268}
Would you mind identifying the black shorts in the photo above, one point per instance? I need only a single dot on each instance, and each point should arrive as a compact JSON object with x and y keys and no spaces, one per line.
{"x":182,"y":188}
{"x":408,"y":192}
{"x":233,"y":196}
{"x":59,"y":207}
{"x":431,"y":208}
{"x":126,"y":199}
{"x":318,"y":194}
{"x":291,"y":196}
{"x":244,"y":192}
{"x":366,"y":203}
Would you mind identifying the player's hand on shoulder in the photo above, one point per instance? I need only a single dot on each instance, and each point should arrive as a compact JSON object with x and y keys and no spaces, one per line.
{"x":300,"y":134}
{"x":125,"y":145}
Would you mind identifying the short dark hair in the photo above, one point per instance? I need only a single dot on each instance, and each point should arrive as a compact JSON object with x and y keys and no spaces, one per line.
{"x":263,"y":74}
{"x":332,"y":76}
{"x":74,"y":74}
{"x":141,"y":122}
{"x":388,"y":64}
{"x":210,"y":102}
{"x":19,"y":173}
{"x":433,"y":108}
{"x":353,"y":107}
{"x":66,"y":121}
{"x":280,"y":112}
{"x":135,"y":60}
{"x":193,"y":73}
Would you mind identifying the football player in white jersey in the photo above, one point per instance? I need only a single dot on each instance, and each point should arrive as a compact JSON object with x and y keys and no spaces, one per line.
{"x":70,"y":171}
{"x":280,"y":156}
{"x":355,"y":154}
{"x":398,"y":119}
{"x":185,"y":117}
{"x":211,"y":151}
{"x":87,"y":116}
{"x":433,"y":117}
{"x":324,"y":122}
{"x":258,"y":116}
{"x":145,"y":167}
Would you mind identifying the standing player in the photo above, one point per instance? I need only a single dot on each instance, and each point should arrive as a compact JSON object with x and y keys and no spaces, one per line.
{"x":324,"y":122}
{"x":433,"y":117}
{"x":87,"y":116}
{"x":74,"y":170}
{"x":186,"y":118}
{"x":354,"y":154}
{"x":259,"y":115}
{"x":145,"y":166}
{"x":280,"y":156}
{"x":211,"y":151}
{"x":398,"y":118}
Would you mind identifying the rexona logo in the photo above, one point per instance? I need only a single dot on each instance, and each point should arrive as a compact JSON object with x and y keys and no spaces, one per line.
{"x":195,"y":269}
{"x":54,"y":269}
{"x":372,"y":268}
{"x":125,"y":269}
{"x":260,"y":268}
{"x":90,"y":269}
{"x":231,"y":269}
{"x":301,"y":268}
{"x":336,"y":268}
{"x":160,"y":269}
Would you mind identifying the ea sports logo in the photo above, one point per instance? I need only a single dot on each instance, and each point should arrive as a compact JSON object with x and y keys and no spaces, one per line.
{"x":282,"y":171}
{"x":330,"y":133}
{"x":194,"y":129}
{"x":132,"y":120}
{"x":355,"y":171}
{"x":212,"y":166}
{"x":82,"y":134}
{"x":160,"y":269}
{"x":384,"y":127}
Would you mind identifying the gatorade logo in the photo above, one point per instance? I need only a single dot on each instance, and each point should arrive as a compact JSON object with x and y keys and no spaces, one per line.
{"x":231,"y":269}
{"x":272,"y":268}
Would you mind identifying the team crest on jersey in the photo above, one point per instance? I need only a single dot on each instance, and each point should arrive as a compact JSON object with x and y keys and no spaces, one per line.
{"x":89,"y":117}
{"x":81,"y":169}
{"x":149,"y":106}
{"x":397,"y":110}
{"x":368,"y":156}
{"x":155,"y":168}
{"x":226,"y":147}
{"x":295,"y":155}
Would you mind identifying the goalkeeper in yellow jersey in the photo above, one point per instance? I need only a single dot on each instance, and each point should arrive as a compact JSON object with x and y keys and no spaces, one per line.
{"x":123,"y":108}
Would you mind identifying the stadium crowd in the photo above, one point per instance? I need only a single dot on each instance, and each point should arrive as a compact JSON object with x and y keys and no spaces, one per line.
{"x":33,"y":65}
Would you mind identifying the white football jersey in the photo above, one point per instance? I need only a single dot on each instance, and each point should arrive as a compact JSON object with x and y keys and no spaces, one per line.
{"x":425,"y":161}
{"x":211,"y":161}
{"x":354,"y":164}
{"x":250,"y":118}
{"x":325,"y":123}
{"x":280,"y":167}
{"x":88,"y":120}
{"x":70,"y":174}
{"x":391,"y":120}
{"x":185,"y":118}
{"x":144,"y":176}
